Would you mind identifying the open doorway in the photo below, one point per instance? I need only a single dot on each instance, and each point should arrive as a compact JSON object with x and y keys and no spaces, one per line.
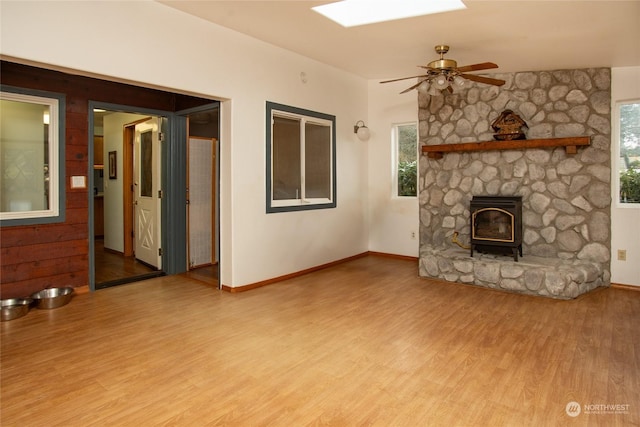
{"x":127,"y":212}
{"x":202,"y":193}
{"x":129,"y":217}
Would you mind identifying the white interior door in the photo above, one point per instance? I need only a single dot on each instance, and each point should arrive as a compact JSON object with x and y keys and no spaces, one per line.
{"x":147,"y":193}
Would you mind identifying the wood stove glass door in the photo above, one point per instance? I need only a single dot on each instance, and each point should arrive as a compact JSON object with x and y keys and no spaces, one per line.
{"x":493,"y":224}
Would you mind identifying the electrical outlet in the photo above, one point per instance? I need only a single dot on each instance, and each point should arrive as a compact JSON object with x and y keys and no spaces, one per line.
{"x":413,"y":235}
{"x":622,"y":254}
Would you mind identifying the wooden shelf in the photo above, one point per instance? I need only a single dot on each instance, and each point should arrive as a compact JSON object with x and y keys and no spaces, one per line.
{"x":571,"y":145}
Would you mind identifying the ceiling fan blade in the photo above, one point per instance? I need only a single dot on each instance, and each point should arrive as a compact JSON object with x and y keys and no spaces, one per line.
{"x":403,"y":78}
{"x":480,"y":79}
{"x":412,"y":87}
{"x":477,"y":67}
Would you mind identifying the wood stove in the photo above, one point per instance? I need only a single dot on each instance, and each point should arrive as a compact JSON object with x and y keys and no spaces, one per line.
{"x":496,"y":225}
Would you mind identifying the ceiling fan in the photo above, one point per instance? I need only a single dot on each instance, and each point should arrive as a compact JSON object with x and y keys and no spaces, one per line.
{"x":445,"y":74}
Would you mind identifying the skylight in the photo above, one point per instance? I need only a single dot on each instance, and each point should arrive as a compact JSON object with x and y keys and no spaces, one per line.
{"x":351,"y":13}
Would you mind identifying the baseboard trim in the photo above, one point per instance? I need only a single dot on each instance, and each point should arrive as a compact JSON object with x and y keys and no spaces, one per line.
{"x":337,"y":262}
{"x":311,"y":270}
{"x":395,"y":256}
{"x":82,"y":290}
{"x":290,"y":276}
{"x":626,"y":287}
{"x":113,"y":251}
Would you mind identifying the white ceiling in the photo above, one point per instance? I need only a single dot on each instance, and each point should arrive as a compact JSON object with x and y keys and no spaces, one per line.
{"x":517,"y":35}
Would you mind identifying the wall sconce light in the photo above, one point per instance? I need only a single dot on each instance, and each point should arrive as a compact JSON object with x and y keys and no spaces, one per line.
{"x":361,"y":130}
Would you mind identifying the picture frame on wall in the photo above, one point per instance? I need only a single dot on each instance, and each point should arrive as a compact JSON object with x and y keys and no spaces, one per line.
{"x":113,"y":165}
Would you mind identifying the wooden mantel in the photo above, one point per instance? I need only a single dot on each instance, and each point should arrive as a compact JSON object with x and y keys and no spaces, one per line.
{"x":571,"y":145}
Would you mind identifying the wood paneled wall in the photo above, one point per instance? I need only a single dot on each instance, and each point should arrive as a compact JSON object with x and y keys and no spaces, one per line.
{"x":35,"y":257}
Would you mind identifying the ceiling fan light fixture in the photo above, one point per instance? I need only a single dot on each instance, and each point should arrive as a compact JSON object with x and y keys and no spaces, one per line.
{"x":445,"y":74}
{"x":441,"y":82}
{"x":424,"y":86}
{"x":459,"y":81}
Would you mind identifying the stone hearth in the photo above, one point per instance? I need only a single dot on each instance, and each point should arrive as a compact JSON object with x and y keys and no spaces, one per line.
{"x":566,"y":198}
{"x":533,"y":275}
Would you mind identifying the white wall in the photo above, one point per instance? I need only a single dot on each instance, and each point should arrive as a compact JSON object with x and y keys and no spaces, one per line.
{"x":182,"y":53}
{"x":625,"y":220}
{"x":391,"y":219}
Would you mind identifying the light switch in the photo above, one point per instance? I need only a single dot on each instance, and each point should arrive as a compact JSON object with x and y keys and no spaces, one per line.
{"x":78,"y":182}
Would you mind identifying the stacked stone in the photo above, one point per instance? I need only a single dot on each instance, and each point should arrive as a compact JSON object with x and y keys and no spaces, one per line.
{"x":533,"y":276}
{"x":566,"y":198}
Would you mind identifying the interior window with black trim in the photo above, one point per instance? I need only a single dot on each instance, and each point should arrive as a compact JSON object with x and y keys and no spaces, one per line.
{"x":31,"y":156}
{"x":301,"y":159}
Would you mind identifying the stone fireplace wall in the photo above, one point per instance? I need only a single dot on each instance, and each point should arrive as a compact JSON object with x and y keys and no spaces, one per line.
{"x":566,"y":197}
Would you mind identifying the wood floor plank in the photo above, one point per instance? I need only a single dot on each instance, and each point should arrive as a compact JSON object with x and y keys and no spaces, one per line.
{"x":366,"y":342}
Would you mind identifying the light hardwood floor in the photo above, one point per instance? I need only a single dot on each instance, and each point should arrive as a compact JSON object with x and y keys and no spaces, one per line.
{"x":366,"y":342}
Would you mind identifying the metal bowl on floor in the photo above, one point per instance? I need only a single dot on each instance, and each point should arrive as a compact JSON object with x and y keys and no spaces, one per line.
{"x":14,"y":308}
{"x":52,"y":297}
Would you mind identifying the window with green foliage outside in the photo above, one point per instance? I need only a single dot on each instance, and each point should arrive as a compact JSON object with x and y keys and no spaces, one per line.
{"x":405,"y":138}
{"x":629,"y":164}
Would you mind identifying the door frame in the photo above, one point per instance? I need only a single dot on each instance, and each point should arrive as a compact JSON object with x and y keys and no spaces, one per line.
{"x":173,"y":217}
{"x":216,"y":227}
